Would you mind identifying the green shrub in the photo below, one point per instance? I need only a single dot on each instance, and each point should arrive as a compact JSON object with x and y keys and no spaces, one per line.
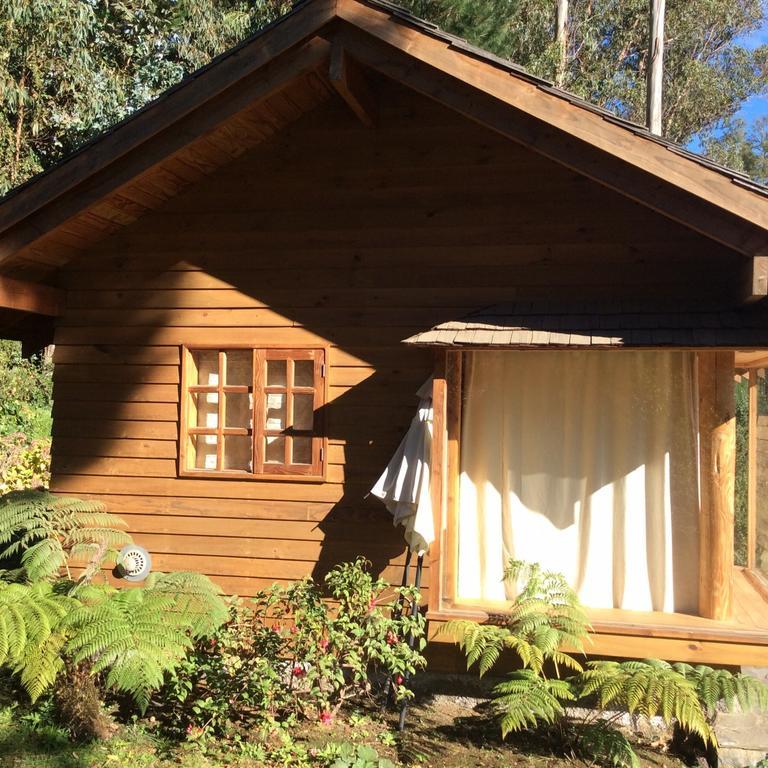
{"x":24,"y":464}
{"x":288,"y":652}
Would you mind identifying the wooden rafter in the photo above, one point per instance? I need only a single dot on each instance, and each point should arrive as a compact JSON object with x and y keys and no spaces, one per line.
{"x":30,"y":297}
{"x":350,"y":83}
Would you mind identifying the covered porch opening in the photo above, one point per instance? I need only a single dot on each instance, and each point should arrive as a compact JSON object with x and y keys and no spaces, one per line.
{"x":673,"y":561}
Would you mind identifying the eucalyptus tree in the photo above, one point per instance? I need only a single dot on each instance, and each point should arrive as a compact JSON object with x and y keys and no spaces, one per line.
{"x":708,"y":70}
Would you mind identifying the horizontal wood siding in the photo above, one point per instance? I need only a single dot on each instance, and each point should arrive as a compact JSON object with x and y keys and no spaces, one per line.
{"x":327,"y":234}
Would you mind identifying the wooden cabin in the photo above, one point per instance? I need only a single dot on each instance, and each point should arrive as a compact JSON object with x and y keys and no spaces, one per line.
{"x":248,"y":280}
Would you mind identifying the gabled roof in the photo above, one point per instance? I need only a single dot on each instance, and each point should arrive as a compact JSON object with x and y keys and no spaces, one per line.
{"x":253,"y":90}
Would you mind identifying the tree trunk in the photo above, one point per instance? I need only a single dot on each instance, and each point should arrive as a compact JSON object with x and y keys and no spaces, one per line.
{"x":561,"y":38}
{"x":78,"y":704}
{"x":655,"y":66}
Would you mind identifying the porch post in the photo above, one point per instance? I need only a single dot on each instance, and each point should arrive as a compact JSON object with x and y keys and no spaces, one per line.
{"x":717,"y":461}
{"x":438,"y":468}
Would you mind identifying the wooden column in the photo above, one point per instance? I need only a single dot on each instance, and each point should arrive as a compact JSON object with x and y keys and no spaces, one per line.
{"x":717,"y":445}
{"x":453,"y":376}
{"x":438,"y":469}
{"x":752,"y":471}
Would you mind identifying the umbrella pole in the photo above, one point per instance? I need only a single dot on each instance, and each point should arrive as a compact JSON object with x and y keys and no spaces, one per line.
{"x":411,"y":640}
{"x":406,"y":574}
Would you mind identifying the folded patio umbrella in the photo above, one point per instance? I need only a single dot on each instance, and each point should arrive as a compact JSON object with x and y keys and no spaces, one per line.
{"x":404,"y":486}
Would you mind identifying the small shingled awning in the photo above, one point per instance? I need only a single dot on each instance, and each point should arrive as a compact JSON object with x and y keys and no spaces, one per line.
{"x":527,"y":325}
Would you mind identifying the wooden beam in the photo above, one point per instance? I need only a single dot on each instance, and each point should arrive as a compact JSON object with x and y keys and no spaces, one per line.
{"x":31,"y":297}
{"x":717,"y":445}
{"x":349,"y":81}
{"x":438,"y":480}
{"x":752,"y":470}
{"x":754,"y":281}
{"x":642,"y":170}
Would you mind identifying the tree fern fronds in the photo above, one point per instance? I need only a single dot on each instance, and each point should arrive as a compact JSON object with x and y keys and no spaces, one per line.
{"x":719,"y":685}
{"x":196,"y":601}
{"x":46,"y":528}
{"x":600,"y":743}
{"x":41,"y":665}
{"x":482,"y":644}
{"x":525,"y":699}
{"x":647,"y":688}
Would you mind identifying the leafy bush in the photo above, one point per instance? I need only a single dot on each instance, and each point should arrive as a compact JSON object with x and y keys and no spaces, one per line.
{"x":79,"y":637}
{"x":287,"y":652}
{"x":24,"y":464}
{"x":543,"y":620}
{"x":25,"y":393}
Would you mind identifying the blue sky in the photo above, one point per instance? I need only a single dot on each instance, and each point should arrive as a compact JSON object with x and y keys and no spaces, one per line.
{"x":757,"y":106}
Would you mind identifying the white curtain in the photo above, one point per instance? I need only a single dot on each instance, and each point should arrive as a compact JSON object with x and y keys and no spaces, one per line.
{"x":585,"y":462}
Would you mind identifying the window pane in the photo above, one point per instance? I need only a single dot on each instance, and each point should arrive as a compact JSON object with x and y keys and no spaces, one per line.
{"x":302,"y":450}
{"x":238,"y":453}
{"x":239,"y":368}
{"x":206,"y":361}
{"x":237,"y":410}
{"x":303,"y":411}
{"x":276,"y":373}
{"x":201,"y":452}
{"x":275,"y":411}
{"x":304,"y":373}
{"x":275,"y":450}
{"x":204,"y":410}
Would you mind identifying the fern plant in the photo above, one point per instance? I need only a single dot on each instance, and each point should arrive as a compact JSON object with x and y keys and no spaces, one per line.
{"x":601,"y":743}
{"x":544,"y":623}
{"x":544,"y":619}
{"x":646,"y":688}
{"x":73,"y":635}
{"x":50,"y":532}
{"x":715,"y":686}
{"x":526,"y":699}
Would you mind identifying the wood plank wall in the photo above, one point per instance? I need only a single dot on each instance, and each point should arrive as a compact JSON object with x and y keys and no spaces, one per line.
{"x":333,"y":234}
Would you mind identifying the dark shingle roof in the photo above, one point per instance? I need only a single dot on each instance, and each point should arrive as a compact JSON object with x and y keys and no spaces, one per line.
{"x":600,"y":326}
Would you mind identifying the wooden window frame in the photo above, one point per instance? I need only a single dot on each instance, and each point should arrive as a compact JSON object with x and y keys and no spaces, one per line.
{"x":716,"y":369}
{"x":261,"y":470}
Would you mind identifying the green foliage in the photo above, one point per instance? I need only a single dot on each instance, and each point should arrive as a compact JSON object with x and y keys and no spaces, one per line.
{"x":708,"y":72}
{"x":24,"y":464}
{"x":25,"y":392}
{"x":48,"y":531}
{"x":287,"y":653}
{"x":52,"y":626}
{"x":358,"y":756}
{"x":526,"y":699}
{"x":740,"y":146}
{"x":544,"y":618}
{"x":715,"y":686}
{"x":30,"y":633}
{"x":600,"y":743}
{"x":646,"y":688}
{"x":136,"y":636}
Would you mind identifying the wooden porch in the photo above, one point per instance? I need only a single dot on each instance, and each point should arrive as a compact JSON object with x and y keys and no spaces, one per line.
{"x":740,"y":641}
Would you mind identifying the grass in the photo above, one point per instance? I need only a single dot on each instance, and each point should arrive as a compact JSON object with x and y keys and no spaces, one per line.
{"x":439,"y":735}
